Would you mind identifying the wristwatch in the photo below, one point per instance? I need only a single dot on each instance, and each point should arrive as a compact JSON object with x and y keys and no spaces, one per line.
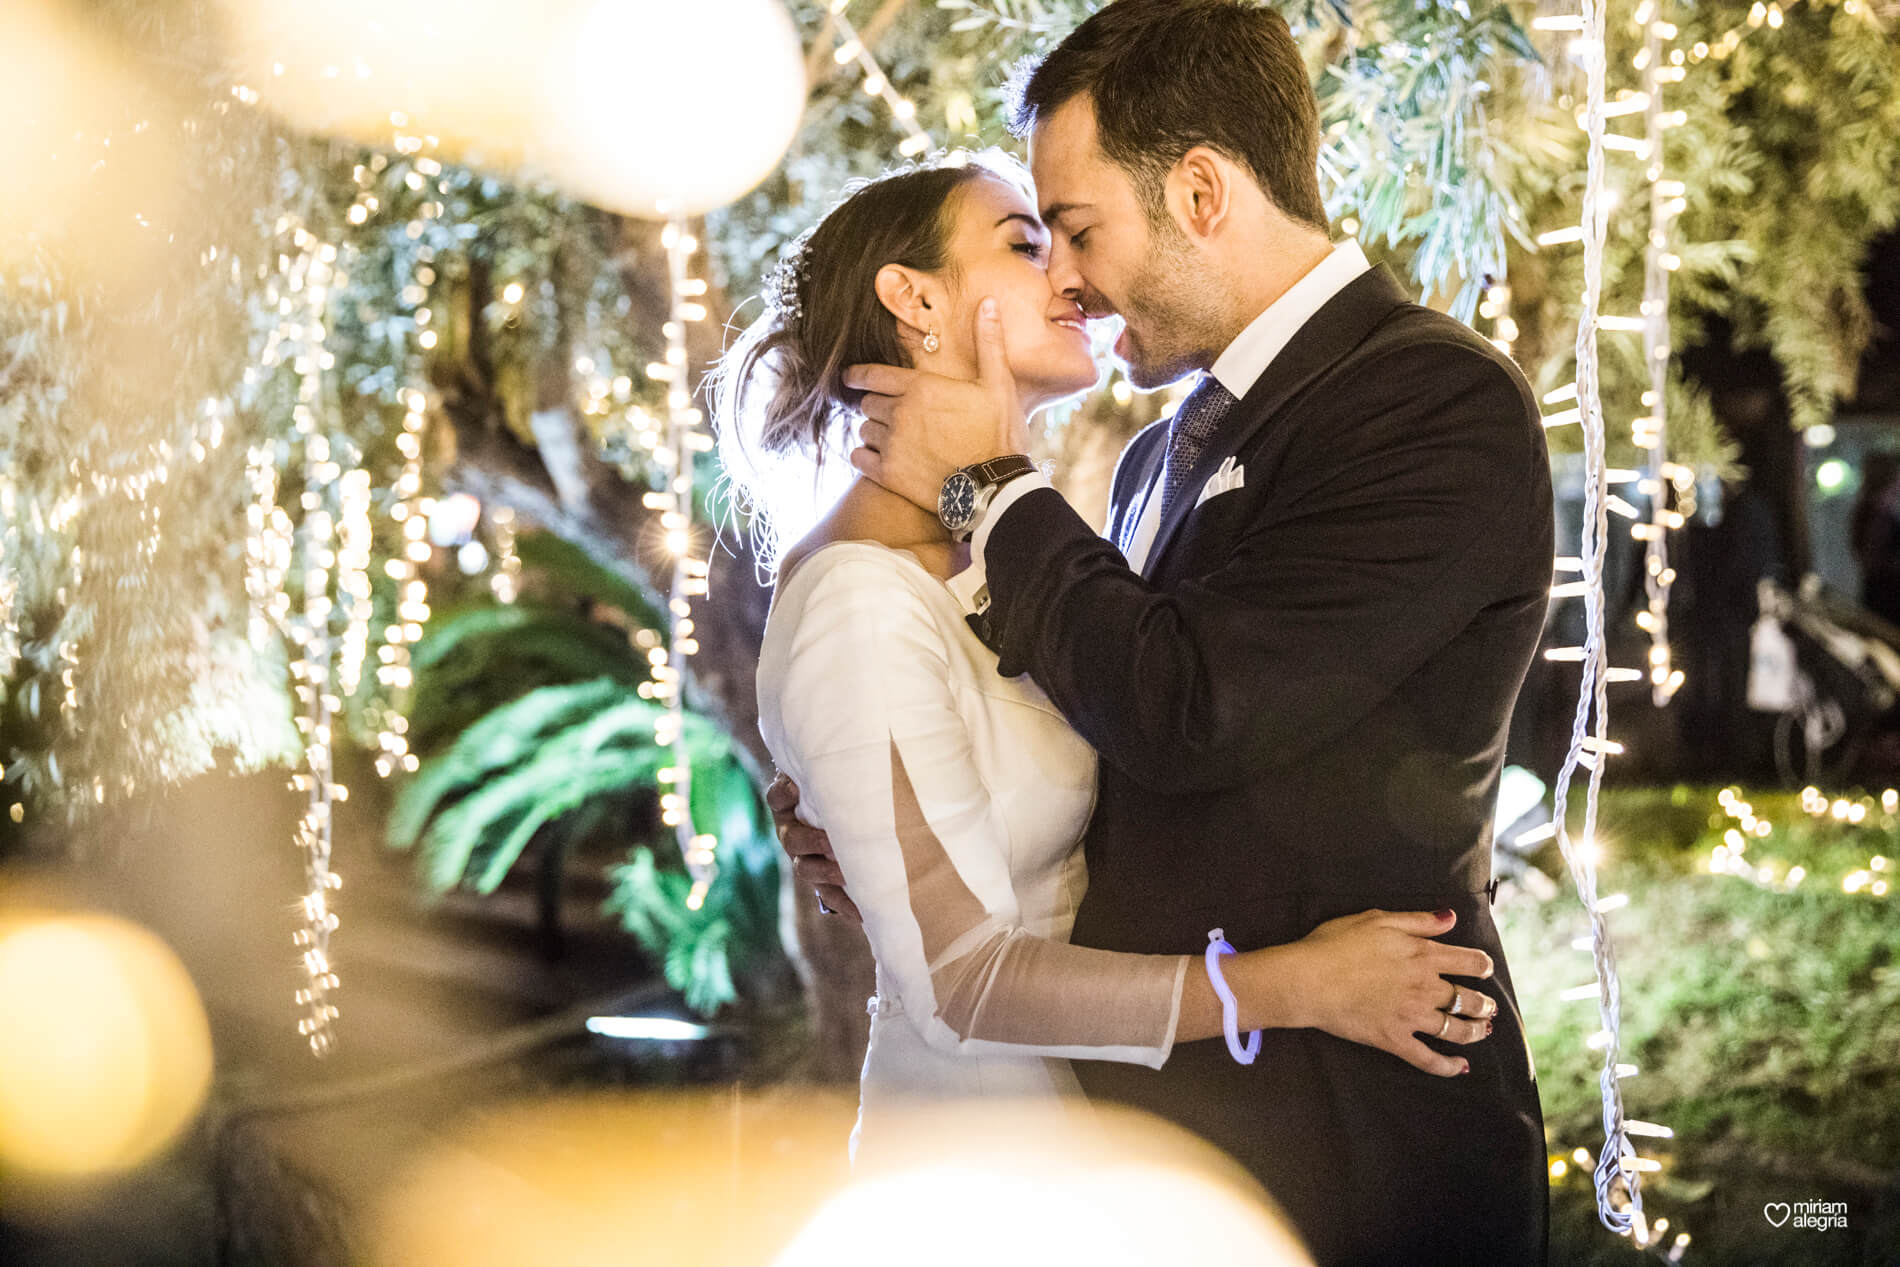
{"x":968,"y":492}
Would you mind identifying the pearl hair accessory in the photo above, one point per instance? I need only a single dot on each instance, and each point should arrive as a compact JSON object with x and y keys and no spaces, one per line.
{"x":784,"y":288}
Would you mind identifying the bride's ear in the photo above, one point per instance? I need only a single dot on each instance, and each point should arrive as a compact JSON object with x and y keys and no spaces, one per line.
{"x":909,"y":296}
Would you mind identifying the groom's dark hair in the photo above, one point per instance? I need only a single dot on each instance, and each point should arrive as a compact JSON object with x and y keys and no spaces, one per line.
{"x":1168,"y":75}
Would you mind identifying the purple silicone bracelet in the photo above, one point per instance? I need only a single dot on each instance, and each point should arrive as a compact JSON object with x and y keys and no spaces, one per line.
{"x":1230,"y":1007}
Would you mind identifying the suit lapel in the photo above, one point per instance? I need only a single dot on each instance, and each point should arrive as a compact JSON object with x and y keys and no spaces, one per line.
{"x":1135,"y":473}
{"x":1332,"y":332}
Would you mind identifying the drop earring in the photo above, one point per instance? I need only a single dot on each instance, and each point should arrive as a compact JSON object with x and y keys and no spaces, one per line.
{"x":932,"y":342}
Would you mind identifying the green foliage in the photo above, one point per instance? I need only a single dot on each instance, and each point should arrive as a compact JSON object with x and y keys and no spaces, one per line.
{"x":1791,"y":170}
{"x":1766,"y":1024}
{"x":546,"y":742}
{"x":1414,"y":150}
{"x":472,"y":659}
{"x":701,"y":945}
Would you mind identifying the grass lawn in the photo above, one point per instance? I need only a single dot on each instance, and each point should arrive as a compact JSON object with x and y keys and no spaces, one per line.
{"x":1764,"y":1016}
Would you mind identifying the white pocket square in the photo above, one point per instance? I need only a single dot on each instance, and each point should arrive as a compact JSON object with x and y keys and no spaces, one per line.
{"x":1231,"y":475}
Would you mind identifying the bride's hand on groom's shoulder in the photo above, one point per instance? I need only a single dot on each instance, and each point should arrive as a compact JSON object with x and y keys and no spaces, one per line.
{"x":920,"y":427}
{"x":1380,"y":978}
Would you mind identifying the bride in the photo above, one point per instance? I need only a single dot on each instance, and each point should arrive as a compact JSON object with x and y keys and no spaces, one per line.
{"x":956,"y":799}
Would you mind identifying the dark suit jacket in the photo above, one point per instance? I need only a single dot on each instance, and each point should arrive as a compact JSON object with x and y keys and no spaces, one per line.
{"x":1301,"y":714}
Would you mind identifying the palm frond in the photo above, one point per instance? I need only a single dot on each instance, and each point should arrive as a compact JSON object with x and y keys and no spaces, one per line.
{"x":504,"y":738}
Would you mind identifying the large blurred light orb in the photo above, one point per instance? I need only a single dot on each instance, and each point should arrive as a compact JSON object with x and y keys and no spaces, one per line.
{"x":719,"y":1178}
{"x":1038,"y":1183}
{"x":105,"y":1054}
{"x":678,"y":106}
{"x":646,"y":107}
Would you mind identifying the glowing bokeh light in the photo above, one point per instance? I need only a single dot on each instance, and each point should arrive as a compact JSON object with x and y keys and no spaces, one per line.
{"x":647,"y":107}
{"x":105,"y":1054}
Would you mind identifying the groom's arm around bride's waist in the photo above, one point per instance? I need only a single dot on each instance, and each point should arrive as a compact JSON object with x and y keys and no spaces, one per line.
{"x":1412,"y":497}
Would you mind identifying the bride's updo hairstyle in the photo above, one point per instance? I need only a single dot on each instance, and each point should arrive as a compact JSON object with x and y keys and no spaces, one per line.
{"x":783,"y":414}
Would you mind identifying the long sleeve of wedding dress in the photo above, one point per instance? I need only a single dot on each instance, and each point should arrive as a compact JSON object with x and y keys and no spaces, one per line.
{"x":897,"y":739}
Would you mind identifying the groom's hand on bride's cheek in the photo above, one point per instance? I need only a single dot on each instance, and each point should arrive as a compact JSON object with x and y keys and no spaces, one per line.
{"x":920,"y":426}
{"x":809,"y":850}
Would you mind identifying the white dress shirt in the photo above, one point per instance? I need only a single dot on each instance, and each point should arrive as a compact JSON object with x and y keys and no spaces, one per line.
{"x":1237,"y":369}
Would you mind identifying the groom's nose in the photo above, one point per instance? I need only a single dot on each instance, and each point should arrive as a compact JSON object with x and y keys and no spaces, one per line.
{"x":1064,"y":276}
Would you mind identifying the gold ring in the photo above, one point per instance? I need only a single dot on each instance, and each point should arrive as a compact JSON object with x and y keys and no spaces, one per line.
{"x":1445,"y":1026}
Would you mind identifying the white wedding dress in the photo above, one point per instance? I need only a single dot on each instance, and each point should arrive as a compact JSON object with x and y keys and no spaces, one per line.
{"x":955,"y":800}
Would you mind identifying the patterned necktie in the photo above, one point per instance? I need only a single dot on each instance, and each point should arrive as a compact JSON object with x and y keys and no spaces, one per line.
{"x":1192,"y":426}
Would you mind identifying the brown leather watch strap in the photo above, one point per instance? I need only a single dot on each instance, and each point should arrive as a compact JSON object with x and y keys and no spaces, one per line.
{"x":1001,"y":470}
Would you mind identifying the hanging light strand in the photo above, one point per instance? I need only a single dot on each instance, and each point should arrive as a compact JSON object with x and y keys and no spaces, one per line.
{"x":852,"y":48}
{"x":393,"y":672}
{"x":301,"y":291}
{"x":409,"y":510}
{"x":685,"y":438}
{"x":1618,"y":1171}
{"x":1663,"y":481}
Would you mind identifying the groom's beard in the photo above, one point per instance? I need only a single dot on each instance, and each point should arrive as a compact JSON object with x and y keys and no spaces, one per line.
{"x":1168,"y":313}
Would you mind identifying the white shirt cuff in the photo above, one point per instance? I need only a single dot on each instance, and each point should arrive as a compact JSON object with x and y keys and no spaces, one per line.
{"x":971,"y":586}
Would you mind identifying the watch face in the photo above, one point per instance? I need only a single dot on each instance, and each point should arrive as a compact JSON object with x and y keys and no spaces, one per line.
{"x":956,"y":504}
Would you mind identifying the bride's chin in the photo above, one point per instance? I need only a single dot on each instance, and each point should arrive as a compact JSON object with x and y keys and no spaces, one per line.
{"x":1058,"y":395}
{"x":1060,"y":389}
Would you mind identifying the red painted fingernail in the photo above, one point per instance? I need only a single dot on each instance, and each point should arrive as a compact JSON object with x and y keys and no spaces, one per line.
{"x":1487,"y":1027}
{"x":1444,"y":914}
{"x":1466,"y":1069}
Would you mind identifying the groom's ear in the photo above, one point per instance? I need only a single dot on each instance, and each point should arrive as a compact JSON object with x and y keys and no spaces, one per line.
{"x":907,"y":295}
{"x":1200,"y":191}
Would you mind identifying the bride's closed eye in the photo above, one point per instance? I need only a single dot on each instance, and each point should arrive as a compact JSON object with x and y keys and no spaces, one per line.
{"x":1033,"y":250}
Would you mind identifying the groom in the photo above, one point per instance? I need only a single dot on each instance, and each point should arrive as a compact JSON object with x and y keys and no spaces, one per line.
{"x":1298,"y":649}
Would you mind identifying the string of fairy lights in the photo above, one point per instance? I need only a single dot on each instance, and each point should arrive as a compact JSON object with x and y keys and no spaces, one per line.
{"x":1619,"y":1168}
{"x":685,"y":438}
{"x":1669,"y":490}
{"x":1667,"y":487}
{"x":852,"y":48}
{"x":1658,"y":65}
{"x":409,"y":509}
{"x":673,"y":444}
{"x":404,"y":569}
{"x":305,"y":276}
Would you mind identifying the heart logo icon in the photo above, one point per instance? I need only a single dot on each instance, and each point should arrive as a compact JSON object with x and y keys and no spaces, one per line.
{"x":1776,"y":1212}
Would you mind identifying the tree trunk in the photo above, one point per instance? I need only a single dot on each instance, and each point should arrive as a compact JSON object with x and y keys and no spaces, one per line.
{"x":562,"y":486}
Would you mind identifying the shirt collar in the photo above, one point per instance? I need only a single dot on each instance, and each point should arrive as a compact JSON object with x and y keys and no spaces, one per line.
{"x":1247,"y":357}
